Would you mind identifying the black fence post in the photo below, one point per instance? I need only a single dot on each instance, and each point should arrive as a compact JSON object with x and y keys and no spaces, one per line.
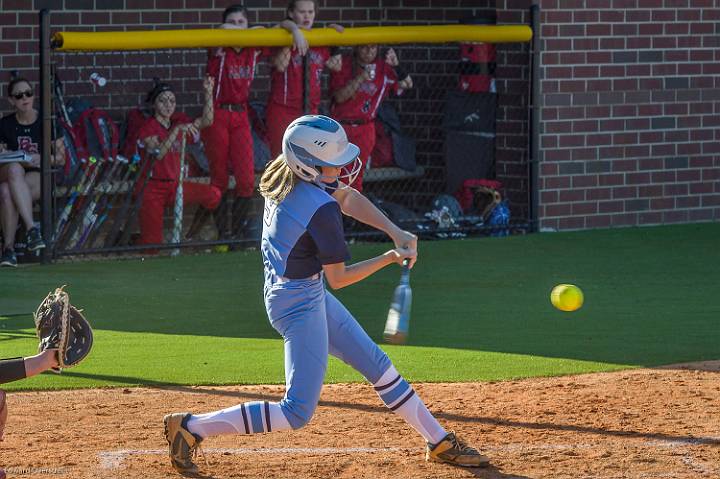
{"x":535,"y":117}
{"x":46,"y":129}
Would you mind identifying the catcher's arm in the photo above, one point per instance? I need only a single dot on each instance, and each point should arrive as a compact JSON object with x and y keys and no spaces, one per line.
{"x":14,"y":369}
{"x":39,"y":363}
{"x":20,"y":368}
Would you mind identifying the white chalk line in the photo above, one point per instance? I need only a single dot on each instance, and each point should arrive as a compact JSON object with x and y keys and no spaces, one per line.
{"x":114,"y":459}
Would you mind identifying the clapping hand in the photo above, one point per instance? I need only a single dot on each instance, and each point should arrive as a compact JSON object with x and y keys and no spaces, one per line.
{"x":391,"y":58}
{"x":406,"y":83}
{"x":190,"y":128}
{"x":334,"y":63}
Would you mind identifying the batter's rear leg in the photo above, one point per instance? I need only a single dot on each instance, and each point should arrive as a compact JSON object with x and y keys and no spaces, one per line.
{"x":350,"y":343}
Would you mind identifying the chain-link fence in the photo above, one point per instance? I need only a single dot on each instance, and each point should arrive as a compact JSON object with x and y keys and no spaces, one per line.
{"x":164,"y":148}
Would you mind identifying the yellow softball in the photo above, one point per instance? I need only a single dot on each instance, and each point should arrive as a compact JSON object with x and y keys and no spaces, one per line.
{"x":567,"y":297}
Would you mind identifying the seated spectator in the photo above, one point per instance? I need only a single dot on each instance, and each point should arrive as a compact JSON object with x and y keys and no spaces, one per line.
{"x":161,"y":136}
{"x":19,"y":368}
{"x":20,"y":180}
{"x":357,"y":89}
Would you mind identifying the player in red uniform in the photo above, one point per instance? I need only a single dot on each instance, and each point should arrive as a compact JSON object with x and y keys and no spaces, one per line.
{"x":286,"y":88}
{"x":162,"y":139}
{"x":228,"y":141}
{"x":362,"y":83}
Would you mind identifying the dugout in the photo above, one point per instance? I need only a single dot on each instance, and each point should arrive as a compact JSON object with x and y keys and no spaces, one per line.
{"x":432,"y":60}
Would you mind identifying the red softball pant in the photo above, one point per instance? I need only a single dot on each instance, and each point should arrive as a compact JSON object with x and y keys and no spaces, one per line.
{"x":159,"y":195}
{"x":364,"y":137}
{"x":277,"y":119}
{"x":229,"y":147}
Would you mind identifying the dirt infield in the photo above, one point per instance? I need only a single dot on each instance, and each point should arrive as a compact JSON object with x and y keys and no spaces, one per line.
{"x":658,"y":423}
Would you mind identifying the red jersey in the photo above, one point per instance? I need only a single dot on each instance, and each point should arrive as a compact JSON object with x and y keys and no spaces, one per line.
{"x":364,"y":104}
{"x":167,"y":167}
{"x":233,"y":72}
{"x":286,"y":88}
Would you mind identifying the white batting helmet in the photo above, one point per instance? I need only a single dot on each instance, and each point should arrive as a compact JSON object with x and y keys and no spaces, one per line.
{"x":312,"y":141}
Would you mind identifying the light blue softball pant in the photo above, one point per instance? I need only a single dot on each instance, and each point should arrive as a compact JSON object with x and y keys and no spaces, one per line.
{"x":314,"y":323}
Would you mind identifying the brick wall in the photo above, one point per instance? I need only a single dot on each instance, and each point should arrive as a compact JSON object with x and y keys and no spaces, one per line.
{"x":630,"y":130}
{"x":130,"y":74}
{"x":631,"y":112}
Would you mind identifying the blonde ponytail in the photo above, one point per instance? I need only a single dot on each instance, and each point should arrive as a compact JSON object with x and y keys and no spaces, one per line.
{"x":277,"y":180}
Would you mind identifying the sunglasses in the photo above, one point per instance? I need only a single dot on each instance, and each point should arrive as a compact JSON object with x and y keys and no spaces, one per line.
{"x":26,"y":94}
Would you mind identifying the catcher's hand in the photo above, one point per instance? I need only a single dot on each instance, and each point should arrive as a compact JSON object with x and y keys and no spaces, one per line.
{"x":59,"y":325}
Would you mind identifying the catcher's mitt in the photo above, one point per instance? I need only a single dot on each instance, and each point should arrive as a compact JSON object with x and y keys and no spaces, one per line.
{"x":61,"y":326}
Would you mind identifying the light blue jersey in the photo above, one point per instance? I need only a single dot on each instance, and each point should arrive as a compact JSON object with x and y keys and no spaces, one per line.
{"x":302,"y":233}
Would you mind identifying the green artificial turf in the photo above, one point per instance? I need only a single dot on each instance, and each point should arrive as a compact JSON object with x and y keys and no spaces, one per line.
{"x":481,"y":310}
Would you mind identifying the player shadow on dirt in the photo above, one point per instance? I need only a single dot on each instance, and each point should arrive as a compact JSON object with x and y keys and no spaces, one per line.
{"x":650,"y":436}
{"x":491,"y":472}
{"x":706,"y":366}
{"x":197,"y":475}
{"x":239,"y":396}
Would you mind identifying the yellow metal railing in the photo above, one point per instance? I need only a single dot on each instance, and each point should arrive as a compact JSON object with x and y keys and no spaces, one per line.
{"x":273,"y":37}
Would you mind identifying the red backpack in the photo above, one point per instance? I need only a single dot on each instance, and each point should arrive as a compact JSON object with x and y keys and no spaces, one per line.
{"x":98,"y":134}
{"x":75,"y":153}
{"x":93,"y":134}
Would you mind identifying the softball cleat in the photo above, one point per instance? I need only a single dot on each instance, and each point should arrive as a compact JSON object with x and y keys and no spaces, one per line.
{"x":452,"y":450}
{"x":182,"y":443}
